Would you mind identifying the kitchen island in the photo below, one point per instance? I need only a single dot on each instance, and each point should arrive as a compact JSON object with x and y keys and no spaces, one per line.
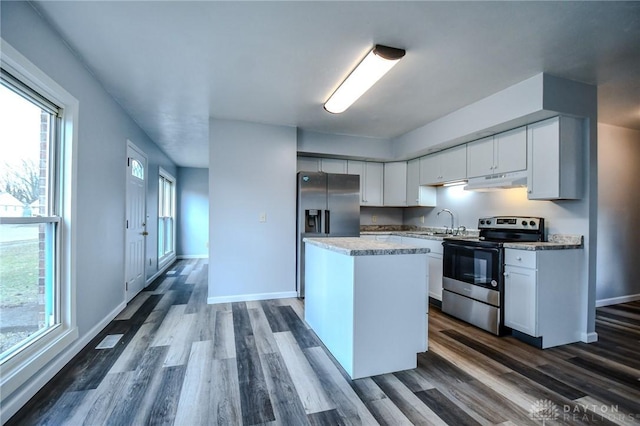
{"x":367,"y":301}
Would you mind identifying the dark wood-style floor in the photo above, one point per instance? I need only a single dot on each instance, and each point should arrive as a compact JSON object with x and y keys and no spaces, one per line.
{"x":181,"y":361}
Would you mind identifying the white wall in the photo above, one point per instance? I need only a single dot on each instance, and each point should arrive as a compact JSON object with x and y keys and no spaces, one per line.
{"x":252,"y":170}
{"x":192,"y":236}
{"x":103,"y":130}
{"x":619,"y":214}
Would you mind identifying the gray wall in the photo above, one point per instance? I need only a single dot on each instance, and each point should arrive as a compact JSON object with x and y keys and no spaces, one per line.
{"x":619,"y":214}
{"x":384,"y":215}
{"x":343,"y":145}
{"x":252,"y":170}
{"x":102,"y":136}
{"x":192,"y":239}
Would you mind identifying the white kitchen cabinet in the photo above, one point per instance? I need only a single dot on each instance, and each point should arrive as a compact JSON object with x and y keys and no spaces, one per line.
{"x":444,"y":166}
{"x":542,"y":294}
{"x":395,"y":184}
{"x":555,"y":159}
{"x":434,"y":278}
{"x":371,"y":181}
{"x":370,"y":311}
{"x":418,"y":195}
{"x":308,"y":164}
{"x":520,"y":302}
{"x":503,"y":153}
{"x":333,"y":165}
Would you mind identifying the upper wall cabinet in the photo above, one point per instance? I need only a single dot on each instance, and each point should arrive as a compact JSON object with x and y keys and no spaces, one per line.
{"x":371,"y":181}
{"x":502,"y":153}
{"x":555,"y":159}
{"x":317,"y":164}
{"x":308,"y":164}
{"x":418,"y":195}
{"x":333,"y":165}
{"x":395,"y":184}
{"x":444,"y":166}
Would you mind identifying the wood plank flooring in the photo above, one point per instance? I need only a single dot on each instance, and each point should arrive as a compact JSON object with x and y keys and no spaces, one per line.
{"x":183,"y":362}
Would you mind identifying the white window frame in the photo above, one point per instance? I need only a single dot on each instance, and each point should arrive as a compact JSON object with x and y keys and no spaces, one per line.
{"x":29,"y":361}
{"x":171,"y":255}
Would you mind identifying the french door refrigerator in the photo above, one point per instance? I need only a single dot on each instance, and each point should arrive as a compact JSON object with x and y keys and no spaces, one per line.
{"x":328,"y":206}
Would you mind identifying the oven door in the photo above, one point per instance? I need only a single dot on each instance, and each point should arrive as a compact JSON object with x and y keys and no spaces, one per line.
{"x":473,"y":264}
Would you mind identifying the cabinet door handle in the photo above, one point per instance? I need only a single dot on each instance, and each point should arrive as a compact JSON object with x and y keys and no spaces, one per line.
{"x":518,"y":258}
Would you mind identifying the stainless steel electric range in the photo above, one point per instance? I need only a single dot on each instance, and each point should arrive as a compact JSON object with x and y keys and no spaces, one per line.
{"x":473,"y":270}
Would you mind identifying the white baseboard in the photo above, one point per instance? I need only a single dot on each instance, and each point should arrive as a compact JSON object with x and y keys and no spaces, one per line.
{"x":160,"y":271}
{"x":617,"y":300}
{"x":250,"y":297}
{"x":193,"y":256}
{"x":589,"y":337}
{"x":16,"y":401}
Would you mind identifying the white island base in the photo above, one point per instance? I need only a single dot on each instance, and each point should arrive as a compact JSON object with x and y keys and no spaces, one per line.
{"x":368,"y":307}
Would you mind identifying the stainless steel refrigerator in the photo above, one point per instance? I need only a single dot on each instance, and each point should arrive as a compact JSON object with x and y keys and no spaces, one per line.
{"x":328,"y":206}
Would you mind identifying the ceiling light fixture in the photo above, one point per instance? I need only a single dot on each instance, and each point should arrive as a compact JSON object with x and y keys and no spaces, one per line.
{"x":376,"y":64}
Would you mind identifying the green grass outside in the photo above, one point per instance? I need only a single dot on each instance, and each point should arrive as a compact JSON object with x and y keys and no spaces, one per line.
{"x":18,"y":273}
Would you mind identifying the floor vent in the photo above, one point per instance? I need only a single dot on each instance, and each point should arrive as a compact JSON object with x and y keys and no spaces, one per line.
{"x":110,"y":341}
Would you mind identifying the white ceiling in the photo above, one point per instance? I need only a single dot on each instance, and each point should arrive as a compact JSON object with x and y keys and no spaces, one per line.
{"x":174,"y":64}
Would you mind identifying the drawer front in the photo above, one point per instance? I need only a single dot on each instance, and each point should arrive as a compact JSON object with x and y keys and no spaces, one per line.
{"x":522,"y":258}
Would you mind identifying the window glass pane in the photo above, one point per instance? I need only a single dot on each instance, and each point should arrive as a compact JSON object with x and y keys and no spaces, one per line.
{"x":160,"y":237}
{"x":28,"y":281}
{"x":137,"y":169}
{"x":27,"y":291}
{"x":160,"y":196}
{"x":25,"y":133}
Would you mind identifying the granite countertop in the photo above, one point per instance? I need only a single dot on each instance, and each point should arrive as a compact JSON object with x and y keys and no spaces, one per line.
{"x":425,"y":233}
{"x":556,"y":242}
{"x":354,"y":246}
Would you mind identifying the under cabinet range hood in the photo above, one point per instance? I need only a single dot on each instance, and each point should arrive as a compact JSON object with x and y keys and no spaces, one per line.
{"x":500,"y":181}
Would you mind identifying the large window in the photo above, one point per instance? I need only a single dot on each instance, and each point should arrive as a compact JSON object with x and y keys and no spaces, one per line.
{"x":166,"y":217}
{"x":37,"y":122}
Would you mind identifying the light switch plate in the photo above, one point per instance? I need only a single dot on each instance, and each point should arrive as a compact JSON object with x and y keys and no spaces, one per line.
{"x":263,"y":217}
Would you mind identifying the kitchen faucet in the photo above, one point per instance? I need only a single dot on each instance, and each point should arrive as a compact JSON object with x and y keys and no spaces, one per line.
{"x":451,"y":213}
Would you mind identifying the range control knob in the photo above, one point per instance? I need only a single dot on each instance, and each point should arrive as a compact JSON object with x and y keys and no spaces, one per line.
{"x":488,"y":222}
{"x":532,"y":223}
{"x":481,"y":221}
{"x":524,"y":223}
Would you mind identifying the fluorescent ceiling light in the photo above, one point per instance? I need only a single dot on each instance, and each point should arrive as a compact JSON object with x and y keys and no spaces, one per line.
{"x":376,"y":64}
{"x":455,"y":183}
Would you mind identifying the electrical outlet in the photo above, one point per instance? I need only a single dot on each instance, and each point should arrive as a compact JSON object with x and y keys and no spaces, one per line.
{"x":422,"y":219}
{"x":263,"y":217}
{"x":374,"y":218}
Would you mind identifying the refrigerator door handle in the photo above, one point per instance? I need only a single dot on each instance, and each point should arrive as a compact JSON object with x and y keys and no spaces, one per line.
{"x":327,"y":222}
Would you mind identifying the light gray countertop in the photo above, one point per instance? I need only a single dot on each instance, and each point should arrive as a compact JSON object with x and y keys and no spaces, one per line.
{"x":555,"y":241}
{"x":354,"y":246}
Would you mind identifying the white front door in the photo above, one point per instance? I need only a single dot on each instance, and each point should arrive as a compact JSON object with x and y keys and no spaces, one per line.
{"x":136,"y":212}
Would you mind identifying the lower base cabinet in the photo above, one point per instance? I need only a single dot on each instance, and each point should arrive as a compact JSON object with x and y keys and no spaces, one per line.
{"x":435,"y":263}
{"x":542,"y":297}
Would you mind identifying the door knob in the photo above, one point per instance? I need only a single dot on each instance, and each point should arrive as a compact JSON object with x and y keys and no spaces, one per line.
{"x":145,"y":233}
